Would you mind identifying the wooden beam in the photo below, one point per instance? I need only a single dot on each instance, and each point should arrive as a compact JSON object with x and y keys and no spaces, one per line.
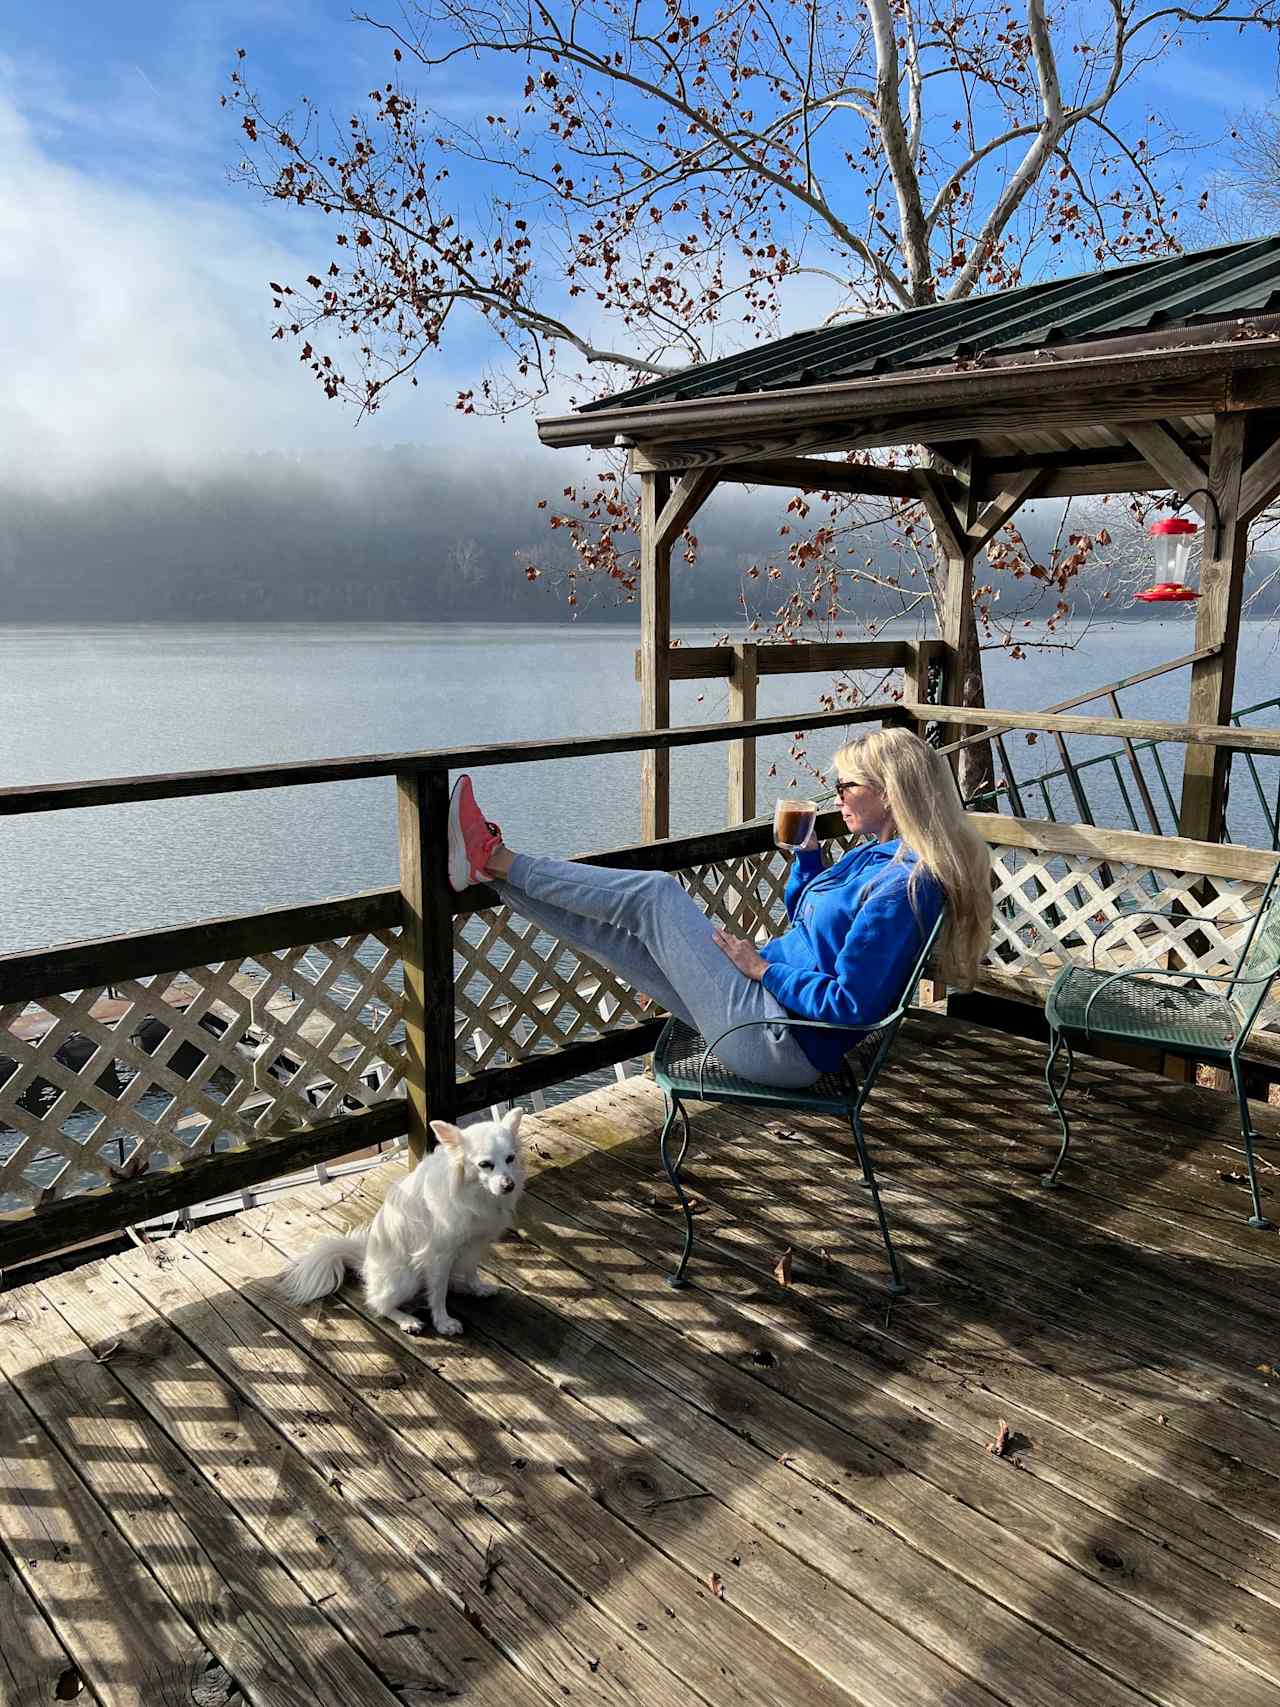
{"x":809,"y":474}
{"x":742,"y":754}
{"x":189,"y":784}
{"x":688,"y":496}
{"x":804,"y":658}
{"x":1018,"y":489}
{"x":426,"y":952}
{"x":1110,"y":689}
{"x":1171,"y":460}
{"x":1190,"y":735}
{"x":1078,"y":473}
{"x":950,"y":529}
{"x":1261,"y":482}
{"x":556,"y":1066}
{"x":32,"y":973}
{"x":1213,"y":680}
{"x":1126,"y":847}
{"x":1100,"y":479}
{"x":675,"y":456}
{"x":1150,"y":384}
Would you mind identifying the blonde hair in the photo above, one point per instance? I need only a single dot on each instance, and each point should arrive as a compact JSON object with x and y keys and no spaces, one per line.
{"x":924,"y":802}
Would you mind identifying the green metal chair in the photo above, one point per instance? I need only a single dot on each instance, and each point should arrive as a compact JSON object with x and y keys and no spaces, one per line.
{"x":1173,"y":1011}
{"x":685,"y":1065}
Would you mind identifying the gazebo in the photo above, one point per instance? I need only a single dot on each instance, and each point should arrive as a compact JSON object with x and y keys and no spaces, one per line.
{"x":1164,"y":375}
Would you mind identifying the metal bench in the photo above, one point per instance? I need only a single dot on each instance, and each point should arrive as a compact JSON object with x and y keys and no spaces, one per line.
{"x":1171,"y":1010}
{"x":685,"y":1066}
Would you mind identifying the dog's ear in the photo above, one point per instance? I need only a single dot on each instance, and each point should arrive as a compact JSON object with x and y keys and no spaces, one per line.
{"x":512,"y":1120}
{"x":450,"y":1136}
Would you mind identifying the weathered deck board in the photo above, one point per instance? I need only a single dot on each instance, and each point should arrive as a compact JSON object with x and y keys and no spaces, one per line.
{"x":551,"y":1495}
{"x":31,"y":1657}
{"x":1195,"y":1588}
{"x":741,"y":1493}
{"x":525,"y":1608}
{"x":410,"y":1633}
{"x":914,"y":1365}
{"x":129,"y":1643}
{"x":248,"y":1609}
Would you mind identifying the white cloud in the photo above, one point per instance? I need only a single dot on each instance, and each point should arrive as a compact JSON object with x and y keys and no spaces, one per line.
{"x":136,"y":332}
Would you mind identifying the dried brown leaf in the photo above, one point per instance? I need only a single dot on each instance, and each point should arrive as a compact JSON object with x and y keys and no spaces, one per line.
{"x":782,"y":1268}
{"x":716,"y":1585}
{"x":1000,"y":1445}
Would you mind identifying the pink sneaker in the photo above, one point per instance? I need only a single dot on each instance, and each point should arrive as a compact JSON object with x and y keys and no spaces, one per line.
{"x":472,"y":838}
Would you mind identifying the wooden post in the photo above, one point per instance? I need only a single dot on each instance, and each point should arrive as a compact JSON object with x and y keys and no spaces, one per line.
{"x":958,"y":535}
{"x":742,"y":754}
{"x":655,"y":643}
{"x":915,"y":677}
{"x":1213,"y":680}
{"x":426,"y":944}
{"x":915,"y":682}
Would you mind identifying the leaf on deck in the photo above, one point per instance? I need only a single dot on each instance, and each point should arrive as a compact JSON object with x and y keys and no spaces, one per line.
{"x":782,"y":1268}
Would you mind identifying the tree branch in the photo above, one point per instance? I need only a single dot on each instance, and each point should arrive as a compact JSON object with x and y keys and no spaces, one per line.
{"x":898,"y":151}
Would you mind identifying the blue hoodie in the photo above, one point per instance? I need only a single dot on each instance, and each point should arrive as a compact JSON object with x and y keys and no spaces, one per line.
{"x":854,"y":937}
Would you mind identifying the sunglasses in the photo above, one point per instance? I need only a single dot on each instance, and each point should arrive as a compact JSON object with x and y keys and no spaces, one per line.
{"x":842,"y":788}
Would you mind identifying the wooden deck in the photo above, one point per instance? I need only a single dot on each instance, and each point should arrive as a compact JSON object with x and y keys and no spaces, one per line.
{"x":747,"y":1492}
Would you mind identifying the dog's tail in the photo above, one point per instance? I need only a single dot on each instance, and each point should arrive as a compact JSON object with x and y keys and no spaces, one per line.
{"x":321,"y":1268}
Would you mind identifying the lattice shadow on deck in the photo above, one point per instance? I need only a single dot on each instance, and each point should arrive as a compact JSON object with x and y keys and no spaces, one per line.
{"x":746,"y":1492}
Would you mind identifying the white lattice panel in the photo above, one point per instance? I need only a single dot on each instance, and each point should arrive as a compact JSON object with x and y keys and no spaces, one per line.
{"x":158,"y":1070}
{"x":1053,"y":910}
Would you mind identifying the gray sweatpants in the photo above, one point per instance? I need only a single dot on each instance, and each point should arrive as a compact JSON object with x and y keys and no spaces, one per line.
{"x":647,"y":929}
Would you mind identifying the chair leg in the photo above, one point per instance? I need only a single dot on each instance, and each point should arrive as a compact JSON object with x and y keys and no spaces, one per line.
{"x":1257,"y":1219}
{"x":674,"y":1107}
{"x":897,"y":1284}
{"x":684,"y":1142}
{"x":1058,"y":1040}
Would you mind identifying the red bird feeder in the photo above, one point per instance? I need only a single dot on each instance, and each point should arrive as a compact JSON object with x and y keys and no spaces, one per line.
{"x":1171,"y":539}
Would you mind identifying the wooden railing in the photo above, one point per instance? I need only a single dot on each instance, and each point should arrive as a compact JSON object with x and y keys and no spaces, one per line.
{"x":1016,"y":789}
{"x":1064,"y":893}
{"x":142,"y":1073}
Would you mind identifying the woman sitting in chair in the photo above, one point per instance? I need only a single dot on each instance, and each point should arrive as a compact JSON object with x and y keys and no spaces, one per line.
{"x":857,"y":927}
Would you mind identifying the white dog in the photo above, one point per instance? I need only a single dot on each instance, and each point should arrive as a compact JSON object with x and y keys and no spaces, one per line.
{"x":432,"y":1230}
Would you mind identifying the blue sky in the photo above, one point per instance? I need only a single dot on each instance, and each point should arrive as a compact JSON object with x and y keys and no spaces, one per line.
{"x":137,"y":320}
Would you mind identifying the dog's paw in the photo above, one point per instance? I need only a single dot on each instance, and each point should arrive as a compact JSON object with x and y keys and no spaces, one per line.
{"x":448,"y":1325}
{"x":413,"y":1326}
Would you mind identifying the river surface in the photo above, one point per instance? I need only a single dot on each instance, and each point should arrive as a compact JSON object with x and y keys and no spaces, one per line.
{"x":88,"y":702}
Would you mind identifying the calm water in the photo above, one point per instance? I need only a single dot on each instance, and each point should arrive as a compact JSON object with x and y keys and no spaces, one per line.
{"x":78,"y":702}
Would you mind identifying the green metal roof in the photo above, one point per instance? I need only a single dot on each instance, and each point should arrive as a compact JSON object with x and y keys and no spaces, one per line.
{"x":1152,"y":296}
